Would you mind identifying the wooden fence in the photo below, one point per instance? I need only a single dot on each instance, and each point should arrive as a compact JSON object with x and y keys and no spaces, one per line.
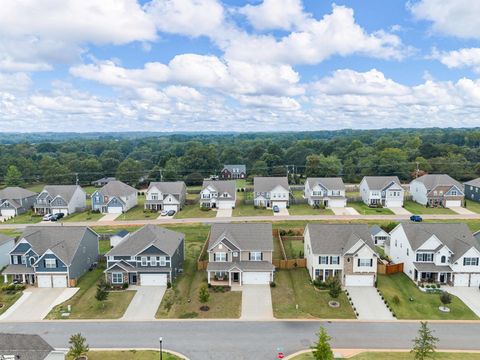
{"x":202,"y":264}
{"x":387,"y":269}
{"x":290,"y":264}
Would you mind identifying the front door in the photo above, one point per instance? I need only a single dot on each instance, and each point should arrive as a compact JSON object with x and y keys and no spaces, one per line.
{"x":134,"y":278}
{"x":236,"y":277}
{"x":442,"y":278}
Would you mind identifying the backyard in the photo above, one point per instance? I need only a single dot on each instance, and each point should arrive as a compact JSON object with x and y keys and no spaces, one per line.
{"x":365,"y":210}
{"x":293,"y":249}
{"x":194,"y":211}
{"x":473,"y":206}
{"x":416,"y":208}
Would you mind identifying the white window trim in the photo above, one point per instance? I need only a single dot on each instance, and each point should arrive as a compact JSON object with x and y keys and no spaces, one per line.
{"x":116,"y":274}
{"x":48,"y":263}
{"x":255,"y":256}
{"x":144,"y":261}
{"x":223,"y":255}
{"x":364,"y":262}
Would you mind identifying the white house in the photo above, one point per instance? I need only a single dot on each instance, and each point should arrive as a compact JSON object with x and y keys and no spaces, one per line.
{"x":271,"y":191}
{"x":66,"y":199}
{"x":440,"y":253}
{"x":166,"y":196}
{"x":219,"y":194}
{"x":329,"y":192}
{"x":344,"y":250}
{"x":114,"y":198}
{"x":379,"y":236}
{"x":386,"y":191}
{"x":437,"y":190}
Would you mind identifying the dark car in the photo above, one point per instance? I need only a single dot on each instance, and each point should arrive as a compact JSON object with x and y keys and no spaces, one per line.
{"x":416,"y":218}
{"x":57,"y":216}
{"x":276,"y":208}
{"x":171,"y":212}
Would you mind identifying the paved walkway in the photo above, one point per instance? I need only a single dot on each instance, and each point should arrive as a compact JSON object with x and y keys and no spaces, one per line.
{"x":108,"y":217}
{"x":145,"y":303}
{"x":256,"y":302}
{"x":462,"y":211}
{"x":368,"y":303}
{"x":469,"y":295}
{"x":224,"y":213}
{"x":400,"y":211}
{"x":344,"y":211}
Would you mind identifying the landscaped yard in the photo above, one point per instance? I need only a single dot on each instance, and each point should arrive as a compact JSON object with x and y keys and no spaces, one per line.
{"x":83,"y":216}
{"x":85,"y":306}
{"x":424,"y":306}
{"x":305,"y":209}
{"x":400,"y":356}
{"x":7,"y":299}
{"x":293,"y":287}
{"x":416,"y":208}
{"x":365,"y":210}
{"x":138,"y":212}
{"x":130,"y":355}
{"x":194,"y":211}
{"x":242,"y":209}
{"x":293,"y":248}
{"x":26,"y":218}
{"x":473,"y":206}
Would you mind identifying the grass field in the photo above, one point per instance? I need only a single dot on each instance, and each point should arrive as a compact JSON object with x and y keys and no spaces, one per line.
{"x":293,"y":248}
{"x":83,"y":216}
{"x":365,"y":210}
{"x":194,"y":211}
{"x":129,"y":355}
{"x":416,"y":208}
{"x":7,"y":300}
{"x":305,"y":209}
{"x":25,"y":218}
{"x":400,"y":356}
{"x":473,"y":206}
{"x":242,"y":209}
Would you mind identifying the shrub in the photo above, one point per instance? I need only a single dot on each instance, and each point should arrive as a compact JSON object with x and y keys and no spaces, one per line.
{"x":396,"y":300}
{"x":334,"y":286}
{"x":272,"y":284}
{"x":445,"y":298}
{"x":20,"y":287}
{"x":169,"y":284}
{"x":125,"y":286}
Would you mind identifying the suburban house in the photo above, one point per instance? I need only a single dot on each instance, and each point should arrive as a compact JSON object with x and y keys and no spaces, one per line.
{"x":472,"y":190}
{"x":6,"y":245}
{"x":385,"y":191}
{"x":103,"y":181}
{"x":328,"y":192}
{"x":150,"y":256}
{"x":379,"y":236}
{"x":27,"y":347}
{"x":115,"y":239}
{"x":343,"y":250}
{"x":440,"y":253}
{"x":15,"y":201}
{"x":435,"y":190}
{"x":66,"y":199}
{"x":114,"y":198}
{"x":271,"y":191}
{"x":166,"y":196}
{"x":240,"y":254}
{"x":234,"y":172}
{"x":53,"y":256}
{"x":220,"y":194}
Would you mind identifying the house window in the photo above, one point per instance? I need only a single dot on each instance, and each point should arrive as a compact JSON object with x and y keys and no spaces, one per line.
{"x":162,"y":261}
{"x":153,"y":261}
{"x":235,"y":254}
{"x":24,"y":260}
{"x":255,"y":256}
{"x":220,"y":256}
{"x":443,"y":259}
{"x":334,"y":260}
{"x":323,"y":260}
{"x":32,"y":261}
{"x":454,"y":192}
{"x":425,"y":257}
{"x":15,"y":260}
{"x":117,"y":278}
{"x":144,"y":261}
{"x":155,"y":196}
{"x":470,"y":261}
{"x":364,"y":262}
{"x":317,"y":273}
{"x":50,"y":263}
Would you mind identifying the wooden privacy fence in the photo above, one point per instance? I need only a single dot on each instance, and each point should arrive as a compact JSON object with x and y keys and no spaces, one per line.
{"x":201,"y":263}
{"x":387,"y":269}
{"x":290,"y":264}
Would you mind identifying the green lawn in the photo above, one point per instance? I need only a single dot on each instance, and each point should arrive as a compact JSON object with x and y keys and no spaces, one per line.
{"x":242,"y":209}
{"x":293,"y":287}
{"x":305,"y":209}
{"x":85,"y":306}
{"x":7,"y":300}
{"x":103,"y":246}
{"x":83,"y":216}
{"x":293,"y":249}
{"x":194,"y":211}
{"x":138,"y":212}
{"x":241,"y":183}
{"x":400,"y":356}
{"x":277,"y":251}
{"x":473,"y":206}
{"x":380,"y":251}
{"x":416,"y":208}
{"x":26,"y":218}
{"x":365,"y":210}
{"x":129,"y":355}
{"x":424,"y":306}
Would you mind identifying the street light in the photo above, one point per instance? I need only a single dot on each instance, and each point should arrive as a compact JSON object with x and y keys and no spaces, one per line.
{"x":161,"y":341}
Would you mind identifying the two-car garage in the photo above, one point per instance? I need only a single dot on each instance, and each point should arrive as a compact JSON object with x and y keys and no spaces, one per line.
{"x":256,"y":278}
{"x":153,"y":279}
{"x":49,"y":281}
{"x":472,"y":280}
{"x":359,"y":280}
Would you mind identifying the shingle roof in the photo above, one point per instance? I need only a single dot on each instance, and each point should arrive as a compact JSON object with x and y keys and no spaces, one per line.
{"x":474,"y":182}
{"x":432,"y":180}
{"x":330,"y":183}
{"x":162,"y":238}
{"x":238,"y":168}
{"x":117,"y":188}
{"x":266,"y":184}
{"x":375,"y":229}
{"x":122,"y":233}
{"x":244,"y":236}
{"x":242,"y":265}
{"x":380,"y":182}
{"x":65,"y":191}
{"x":337,"y":238}
{"x":228,"y":186}
{"x":15,"y":192}
{"x":430,"y":267}
{"x":62,"y":240}
{"x":26,"y":347}
{"x":174,"y":187}
{"x":5,"y":238}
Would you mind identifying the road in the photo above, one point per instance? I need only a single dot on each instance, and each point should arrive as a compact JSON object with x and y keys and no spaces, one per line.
{"x":237,"y":340}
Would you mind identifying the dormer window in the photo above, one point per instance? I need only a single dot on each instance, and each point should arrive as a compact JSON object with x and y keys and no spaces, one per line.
{"x":443,"y":259}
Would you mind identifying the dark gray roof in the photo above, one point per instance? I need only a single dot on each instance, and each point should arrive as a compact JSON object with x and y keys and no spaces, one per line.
{"x":16,"y":192}
{"x":235,"y":169}
{"x":122,"y":233}
{"x":117,"y":188}
{"x":430,"y":267}
{"x":266,"y":184}
{"x":64,"y":191}
{"x":456,"y":236}
{"x":330,"y":183}
{"x":5,"y":238}
{"x":165,"y":240}
{"x":242,"y":265}
{"x":62,"y":240}
{"x":337,"y":238}
{"x":256,"y":236}
{"x":380,"y":182}
{"x":474,"y":182}
{"x":375,"y":229}
{"x":26,"y":347}
{"x":13,"y":269}
{"x":173,"y":187}
{"x":228,"y":186}
{"x":433,"y":180}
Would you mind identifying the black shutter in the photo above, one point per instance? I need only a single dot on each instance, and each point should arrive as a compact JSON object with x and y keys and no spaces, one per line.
{"x":214,"y":257}
{"x":226,"y":256}
{"x":249,"y":256}
{"x":261,"y":256}
{"x":319,"y":260}
{"x":464,"y":261}
{"x":358,"y":261}
{"x":371,"y":262}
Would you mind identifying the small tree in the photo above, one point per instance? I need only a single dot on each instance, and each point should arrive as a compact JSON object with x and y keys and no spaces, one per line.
{"x":334,"y":286}
{"x":203,"y":294}
{"x":445,"y":298}
{"x":322,"y":349}
{"x":102,"y":293}
{"x":425,"y":343}
{"x":78,"y":346}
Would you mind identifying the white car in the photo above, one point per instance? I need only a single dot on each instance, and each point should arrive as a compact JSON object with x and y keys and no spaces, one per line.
{"x":48,"y":217}
{"x":164,"y":213}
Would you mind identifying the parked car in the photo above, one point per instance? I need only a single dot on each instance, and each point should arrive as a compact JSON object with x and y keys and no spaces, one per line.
{"x":416,"y":218}
{"x":47,"y":217}
{"x":276,"y":208}
{"x":59,"y":215}
{"x":164,"y":213}
{"x":171,"y":212}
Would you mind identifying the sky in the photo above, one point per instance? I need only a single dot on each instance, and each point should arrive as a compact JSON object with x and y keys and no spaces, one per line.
{"x":232,"y":65}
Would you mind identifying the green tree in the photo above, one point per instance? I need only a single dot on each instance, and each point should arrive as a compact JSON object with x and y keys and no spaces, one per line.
{"x":322,"y":349}
{"x":259,"y":168}
{"x":194,"y":179}
{"x":425,"y":344}
{"x":445,"y":298}
{"x":334,"y":286}
{"x":320,"y":165}
{"x":101,"y":294}
{"x":203,"y":294}
{"x":171,"y":170}
{"x":78,"y":346}
{"x":13,"y":177}
{"x":130,"y":171}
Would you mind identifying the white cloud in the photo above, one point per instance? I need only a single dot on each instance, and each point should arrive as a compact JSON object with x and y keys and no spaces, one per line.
{"x":275,"y":14}
{"x":16,"y":82}
{"x":462,"y":58}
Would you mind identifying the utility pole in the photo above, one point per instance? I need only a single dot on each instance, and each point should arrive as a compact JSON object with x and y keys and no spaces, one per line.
{"x":161,"y":175}
{"x":76,"y":178}
{"x":417,"y":170}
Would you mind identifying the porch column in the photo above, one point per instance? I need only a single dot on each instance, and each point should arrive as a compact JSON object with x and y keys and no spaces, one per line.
{"x":5,"y":278}
{"x":208,"y":277}
{"x":23,"y":278}
{"x":229,"y":278}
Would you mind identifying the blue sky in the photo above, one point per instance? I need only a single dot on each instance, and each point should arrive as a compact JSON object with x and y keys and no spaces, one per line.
{"x":264,"y":65}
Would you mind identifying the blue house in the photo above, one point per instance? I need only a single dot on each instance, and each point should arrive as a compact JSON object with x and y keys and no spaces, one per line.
{"x":472,"y":190}
{"x":115,"y":197}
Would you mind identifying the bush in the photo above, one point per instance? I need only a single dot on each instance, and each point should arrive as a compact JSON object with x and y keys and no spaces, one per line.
{"x":396,"y":300}
{"x":169,"y":284}
{"x":125,"y":286}
{"x":272,"y":284}
{"x":20,"y":287}
{"x":445,"y":298}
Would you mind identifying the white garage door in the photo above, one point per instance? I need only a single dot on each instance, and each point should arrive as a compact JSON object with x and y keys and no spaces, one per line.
{"x":59,"y":281}
{"x":460,"y":280}
{"x":153,"y":279}
{"x":114,"y":209}
{"x":170,"y":207}
{"x":44,"y":281}
{"x":280,"y":204}
{"x":394,"y":203}
{"x":256,"y":278}
{"x":359,"y":280}
{"x":55,"y":211}
{"x":453,"y":203}
{"x":475,"y":280}
{"x":225,"y":204}
{"x":8,"y":212}
{"x":337,"y":203}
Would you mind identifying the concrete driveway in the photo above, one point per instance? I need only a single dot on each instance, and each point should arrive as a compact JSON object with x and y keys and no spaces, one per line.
{"x":224,"y":213}
{"x":462,"y":211}
{"x":469,"y":295}
{"x":282,"y":212}
{"x":108,"y":217}
{"x":36,"y":303}
{"x":145,"y":303}
{"x":344,"y":211}
{"x":256,"y":302}
{"x":400,"y":211}
{"x":368,"y":303}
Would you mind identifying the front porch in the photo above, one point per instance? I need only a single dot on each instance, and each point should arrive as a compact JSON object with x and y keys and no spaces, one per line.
{"x":433,"y":277}
{"x":19,"y":273}
{"x":153,"y":205}
{"x":224,"y":278}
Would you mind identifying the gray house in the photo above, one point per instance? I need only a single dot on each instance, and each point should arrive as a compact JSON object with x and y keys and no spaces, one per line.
{"x":6,"y":244}
{"x":166,"y":196}
{"x":472,"y":190}
{"x":15,"y":201}
{"x":66,"y":199}
{"x":233,"y":172}
{"x":115,"y":197}
{"x":27,"y":347}
{"x":53,"y":256}
{"x":150,"y":256}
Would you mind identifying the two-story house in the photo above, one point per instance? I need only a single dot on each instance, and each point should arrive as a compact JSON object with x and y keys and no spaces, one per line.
{"x":437,"y":190}
{"x":53,"y":256}
{"x":221,"y":194}
{"x":472,"y":190}
{"x":240,"y":254}
{"x":379,"y":236}
{"x":441,"y":253}
{"x":271,"y":191}
{"x":15,"y":201}
{"x":166,"y":196}
{"x":66,"y":199}
{"x":343,"y":250}
{"x":328,"y":192}
{"x":27,"y":347}
{"x":234,"y":172}
{"x":150,"y":256}
{"x":6,"y":244}
{"x":114,"y":198}
{"x":386,"y":191}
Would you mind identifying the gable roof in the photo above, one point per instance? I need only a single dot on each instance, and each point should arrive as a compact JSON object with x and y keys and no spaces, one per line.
{"x":375,"y":229}
{"x":148,"y":235}
{"x":172,"y":187}
{"x":117,"y":188}
{"x":266,"y":184}
{"x":26,"y":347}
{"x":64,"y":191}
{"x":474,"y":182}
{"x":235,"y":168}
{"x":228,"y":186}
{"x":5,"y":238}
{"x":433,"y":180}
{"x":105,"y":179}
{"x":245,"y":237}
{"x":64,"y":241}
{"x":337,"y":238}
{"x":380,"y":182}
{"x":330,"y":183}
{"x":456,"y":236}
{"x":15,"y":192}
